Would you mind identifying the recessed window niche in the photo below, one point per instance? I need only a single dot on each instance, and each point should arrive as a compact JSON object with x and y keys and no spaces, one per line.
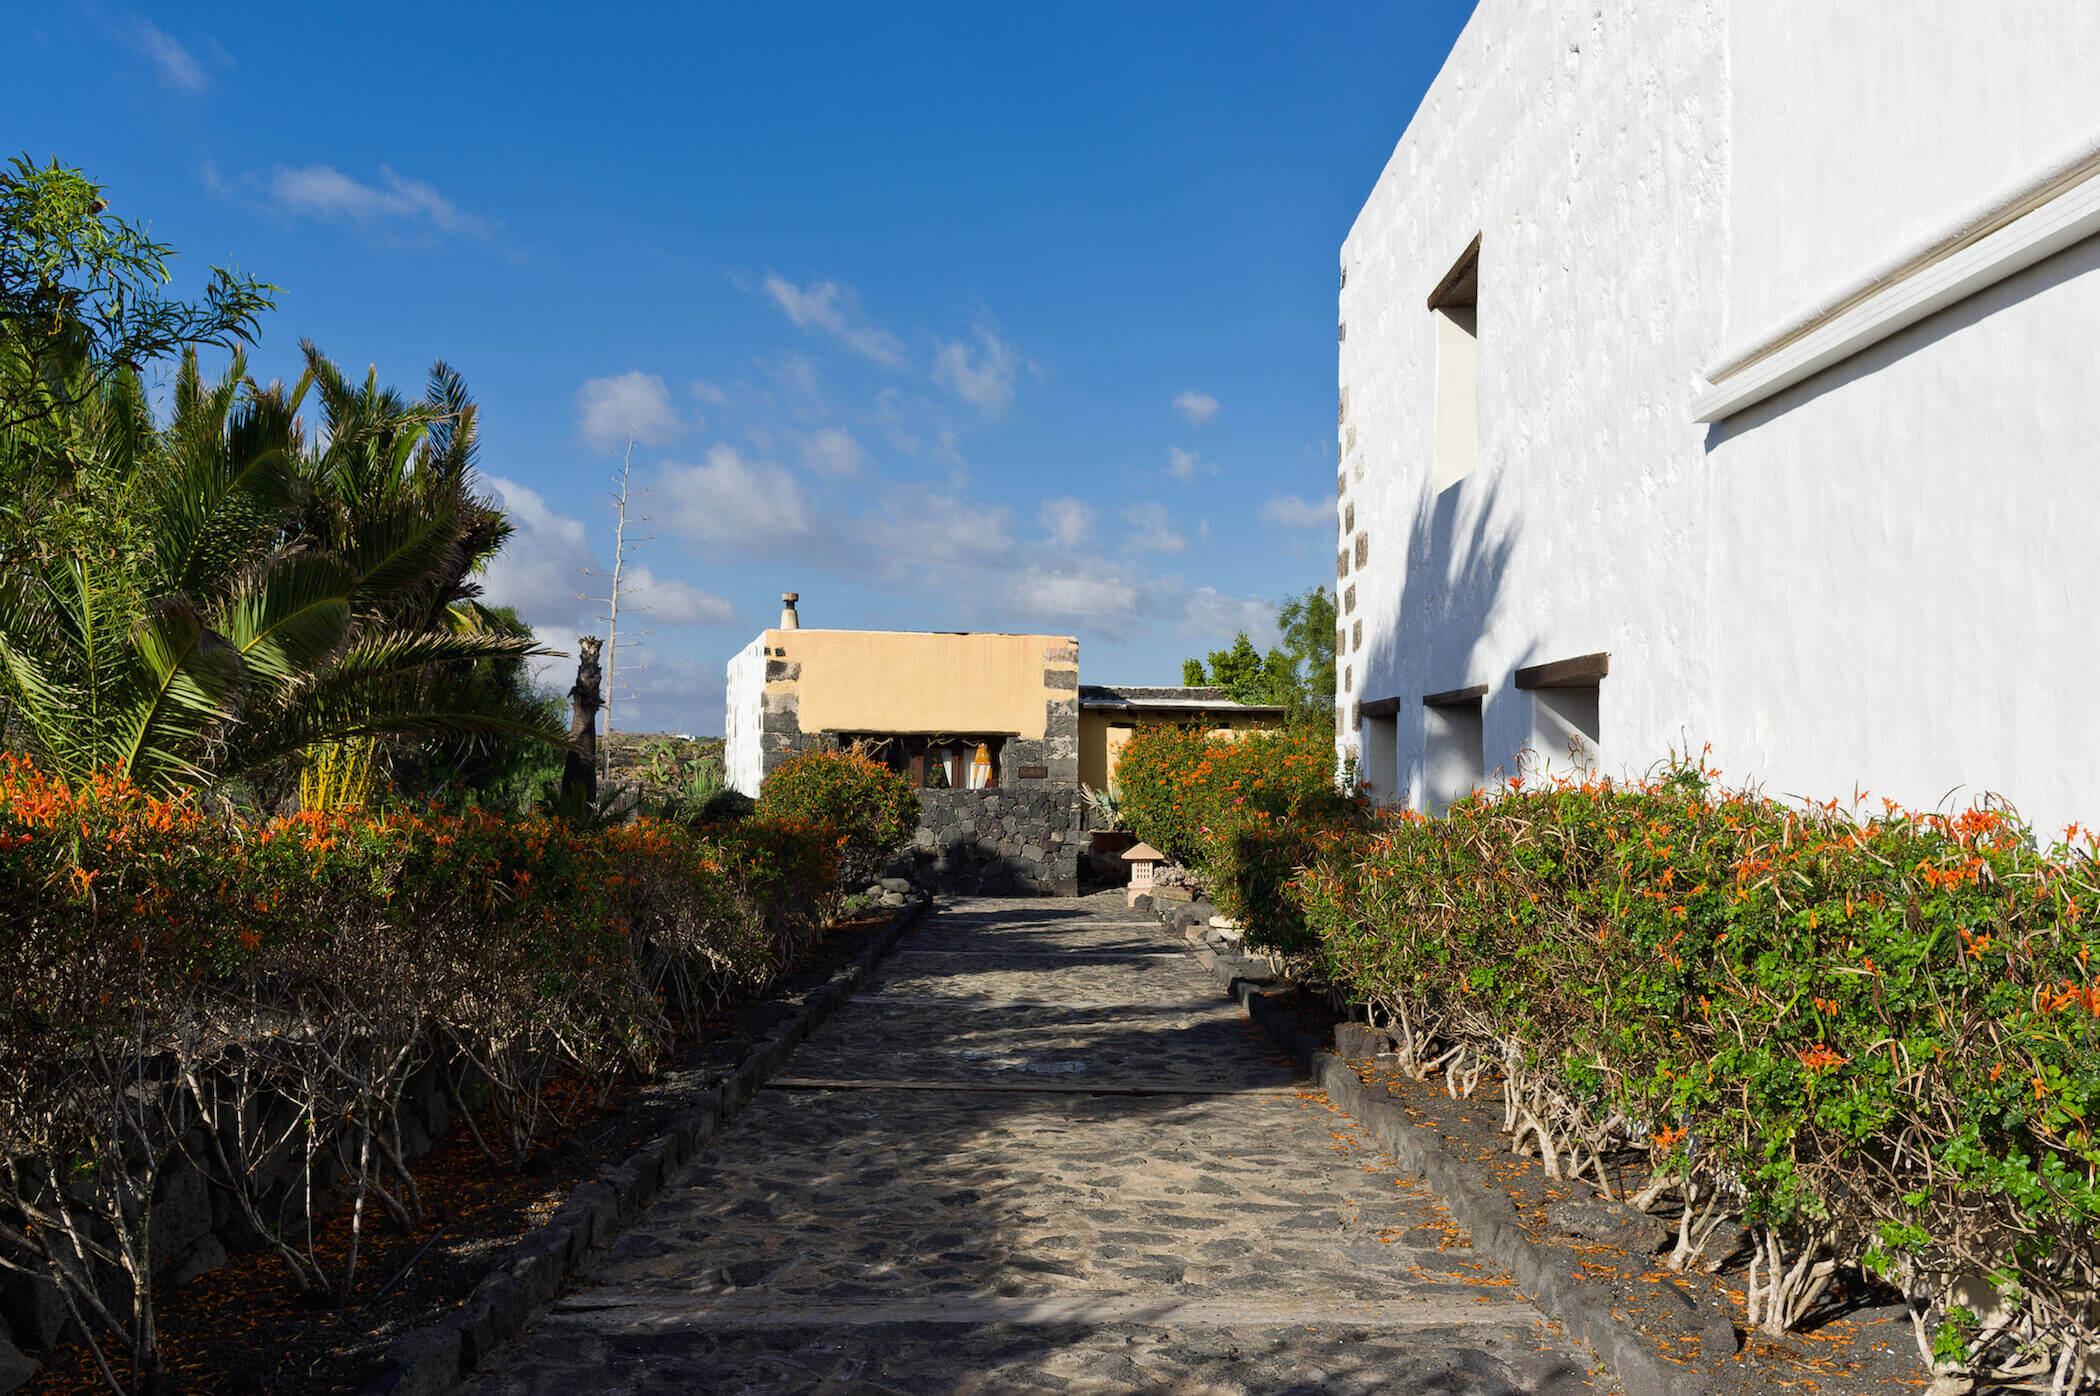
{"x":1454,"y":308}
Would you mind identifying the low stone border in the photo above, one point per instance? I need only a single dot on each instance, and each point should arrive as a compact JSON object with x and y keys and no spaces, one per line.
{"x":435,"y":1359}
{"x":1544,"y":1274}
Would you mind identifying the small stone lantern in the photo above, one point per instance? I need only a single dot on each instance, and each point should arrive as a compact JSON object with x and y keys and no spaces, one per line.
{"x":1144,"y":860}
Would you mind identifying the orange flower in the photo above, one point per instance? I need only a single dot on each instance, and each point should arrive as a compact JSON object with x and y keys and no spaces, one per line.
{"x":1820,"y":1056}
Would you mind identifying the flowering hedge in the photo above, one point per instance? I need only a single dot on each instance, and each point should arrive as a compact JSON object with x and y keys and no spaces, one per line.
{"x":1872,"y":1039}
{"x":1244,"y":812}
{"x":871,"y":808}
{"x":174,"y":981}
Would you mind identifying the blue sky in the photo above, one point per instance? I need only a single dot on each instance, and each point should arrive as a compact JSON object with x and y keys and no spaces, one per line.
{"x":948,"y":318}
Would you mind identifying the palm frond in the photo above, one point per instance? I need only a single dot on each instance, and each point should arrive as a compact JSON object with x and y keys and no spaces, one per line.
{"x":32,"y":649}
{"x":183,"y":682}
{"x":288,"y":618}
{"x":229,"y":483}
{"x":406,"y":554}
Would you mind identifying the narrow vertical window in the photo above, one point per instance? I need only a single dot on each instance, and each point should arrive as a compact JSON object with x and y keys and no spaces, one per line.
{"x":1454,"y":307}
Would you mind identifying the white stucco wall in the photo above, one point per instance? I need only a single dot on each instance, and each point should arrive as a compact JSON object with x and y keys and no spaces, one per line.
{"x":1586,"y":149}
{"x":1872,"y":580}
{"x":1905,"y":561}
{"x":1869,"y":131}
{"x":744,"y":710}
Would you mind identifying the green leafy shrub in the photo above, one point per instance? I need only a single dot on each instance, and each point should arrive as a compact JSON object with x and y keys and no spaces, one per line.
{"x":1245,"y":812}
{"x":869,"y":807}
{"x":1872,"y":1038}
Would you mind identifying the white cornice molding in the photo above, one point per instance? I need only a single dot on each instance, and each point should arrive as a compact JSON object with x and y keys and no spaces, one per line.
{"x":2043,"y":219}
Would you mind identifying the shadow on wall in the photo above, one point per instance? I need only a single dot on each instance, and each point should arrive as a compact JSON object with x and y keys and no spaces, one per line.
{"x":1453,"y":591}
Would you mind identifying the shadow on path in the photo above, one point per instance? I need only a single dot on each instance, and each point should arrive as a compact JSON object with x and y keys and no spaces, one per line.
{"x":974,"y":1213}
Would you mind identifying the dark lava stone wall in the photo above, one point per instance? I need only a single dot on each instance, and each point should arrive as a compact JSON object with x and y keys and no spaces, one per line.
{"x":1011,"y":842}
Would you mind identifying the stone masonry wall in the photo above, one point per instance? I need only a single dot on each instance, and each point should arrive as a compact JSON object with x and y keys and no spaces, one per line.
{"x":1019,"y":842}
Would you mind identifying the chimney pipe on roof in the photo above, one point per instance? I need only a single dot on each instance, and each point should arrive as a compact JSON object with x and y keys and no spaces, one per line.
{"x":788,"y":619}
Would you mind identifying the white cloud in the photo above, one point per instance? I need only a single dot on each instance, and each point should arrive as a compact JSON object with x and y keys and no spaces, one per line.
{"x":729,"y":499}
{"x":542,"y":572}
{"x":1206,"y":611}
{"x":1197,"y":407}
{"x":1081,"y":595}
{"x":919,"y":426}
{"x":1118,"y":601}
{"x":1068,"y":522}
{"x":179,"y":67}
{"x":1185,"y":465}
{"x":670,"y":694}
{"x":1153,"y":530}
{"x":834,"y":452}
{"x":916,"y":529}
{"x":1289,"y":511}
{"x":673,"y":602}
{"x":710,"y":393}
{"x":983,"y":376}
{"x":834,"y":309}
{"x":633,"y":403}
{"x":541,"y":569}
{"x":322,"y":191}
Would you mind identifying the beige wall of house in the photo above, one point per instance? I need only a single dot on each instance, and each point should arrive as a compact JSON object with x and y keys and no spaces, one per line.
{"x":908,"y":681}
{"x":1102,"y":735}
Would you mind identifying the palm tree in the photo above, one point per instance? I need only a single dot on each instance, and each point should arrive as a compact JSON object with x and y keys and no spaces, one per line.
{"x":281,"y":598}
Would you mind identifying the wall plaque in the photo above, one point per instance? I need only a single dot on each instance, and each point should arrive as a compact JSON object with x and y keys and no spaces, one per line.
{"x":1033,"y":773}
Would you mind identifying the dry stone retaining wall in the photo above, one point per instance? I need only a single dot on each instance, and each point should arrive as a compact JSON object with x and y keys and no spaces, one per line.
{"x":1017,"y":842}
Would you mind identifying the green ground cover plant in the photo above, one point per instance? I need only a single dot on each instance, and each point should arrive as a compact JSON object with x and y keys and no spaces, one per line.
{"x":1869,"y":1037}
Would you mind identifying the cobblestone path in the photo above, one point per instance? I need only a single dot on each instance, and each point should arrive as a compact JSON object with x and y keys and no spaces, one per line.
{"x":1040,"y":1152}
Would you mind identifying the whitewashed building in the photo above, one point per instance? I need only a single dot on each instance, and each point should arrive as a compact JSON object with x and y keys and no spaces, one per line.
{"x":1730,"y":372}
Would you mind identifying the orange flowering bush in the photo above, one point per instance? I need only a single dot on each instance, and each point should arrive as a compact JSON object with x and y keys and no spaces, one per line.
{"x":258,"y":997}
{"x":1245,"y":813}
{"x":1872,"y":1038}
{"x":871,"y":810}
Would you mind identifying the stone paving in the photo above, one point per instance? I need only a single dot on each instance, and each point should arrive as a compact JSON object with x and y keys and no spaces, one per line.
{"x":1041,"y":1152}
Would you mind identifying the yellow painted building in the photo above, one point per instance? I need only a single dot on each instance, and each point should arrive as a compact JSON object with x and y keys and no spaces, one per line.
{"x":953,"y":710}
{"x":1110,"y":716}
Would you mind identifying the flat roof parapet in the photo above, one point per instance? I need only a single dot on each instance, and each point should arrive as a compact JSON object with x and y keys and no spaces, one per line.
{"x":1167,"y":698}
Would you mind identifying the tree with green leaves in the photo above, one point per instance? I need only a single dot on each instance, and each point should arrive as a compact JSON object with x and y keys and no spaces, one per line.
{"x":1306,"y":623}
{"x":1298,"y":674}
{"x":82,"y":309}
{"x":471,"y":768}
